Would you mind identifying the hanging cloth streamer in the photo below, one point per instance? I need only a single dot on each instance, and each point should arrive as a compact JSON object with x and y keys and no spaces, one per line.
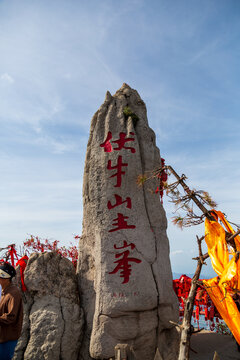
{"x":222,"y":287}
{"x":22,"y":263}
{"x":12,"y":253}
{"x":225,"y":306}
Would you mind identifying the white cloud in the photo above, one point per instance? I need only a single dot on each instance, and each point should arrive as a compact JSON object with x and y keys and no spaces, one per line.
{"x":207,"y":50}
{"x":37,"y":129}
{"x":59,"y":61}
{"x":176,"y":252}
{"x":7,"y":78}
{"x":56,"y":146}
{"x":40,"y":196}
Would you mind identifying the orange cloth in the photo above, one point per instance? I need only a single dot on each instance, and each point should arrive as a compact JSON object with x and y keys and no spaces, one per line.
{"x":225,"y":306}
{"x":220,"y":288}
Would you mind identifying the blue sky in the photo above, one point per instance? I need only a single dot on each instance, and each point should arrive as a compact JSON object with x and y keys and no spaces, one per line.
{"x":58,"y":59}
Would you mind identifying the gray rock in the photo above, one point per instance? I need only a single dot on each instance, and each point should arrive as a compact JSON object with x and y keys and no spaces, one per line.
{"x":53,"y":318}
{"x":124,"y":270}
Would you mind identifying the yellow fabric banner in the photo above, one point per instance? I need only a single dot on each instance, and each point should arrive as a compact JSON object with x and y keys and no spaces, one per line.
{"x":225,"y":306}
{"x":227,"y":282}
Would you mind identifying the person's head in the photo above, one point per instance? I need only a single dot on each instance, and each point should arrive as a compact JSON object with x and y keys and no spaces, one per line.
{"x":7,"y":272}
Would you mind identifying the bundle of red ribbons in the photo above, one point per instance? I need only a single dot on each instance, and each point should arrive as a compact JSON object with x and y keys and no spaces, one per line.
{"x":202,"y":304}
{"x":22,"y":263}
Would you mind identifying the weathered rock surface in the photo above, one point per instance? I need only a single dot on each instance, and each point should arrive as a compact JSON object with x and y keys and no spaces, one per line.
{"x":124,"y":269}
{"x":53,"y":318}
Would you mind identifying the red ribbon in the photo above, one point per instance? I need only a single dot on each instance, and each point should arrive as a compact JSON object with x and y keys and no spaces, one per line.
{"x":163,"y":178}
{"x":203,"y":304}
{"x":22,"y":263}
{"x":12,"y":253}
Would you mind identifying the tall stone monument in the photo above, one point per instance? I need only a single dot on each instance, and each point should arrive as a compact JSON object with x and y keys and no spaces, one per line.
{"x":124,"y":270}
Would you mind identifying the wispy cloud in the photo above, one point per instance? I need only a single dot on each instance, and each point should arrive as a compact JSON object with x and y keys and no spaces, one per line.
{"x":7,"y":78}
{"x":56,"y":146}
{"x":176,"y":252}
{"x":40,"y":196}
{"x":209,"y":49}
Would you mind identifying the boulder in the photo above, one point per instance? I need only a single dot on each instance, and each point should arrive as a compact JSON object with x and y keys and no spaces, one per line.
{"x":53,"y":318}
{"x":124,"y":271}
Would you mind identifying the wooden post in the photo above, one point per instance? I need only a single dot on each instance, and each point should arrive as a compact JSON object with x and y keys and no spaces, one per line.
{"x":188,"y":310}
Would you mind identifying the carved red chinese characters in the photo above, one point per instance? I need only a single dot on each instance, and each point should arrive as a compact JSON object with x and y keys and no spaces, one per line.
{"x":121,"y":223}
{"x":124,"y":261}
{"x":123,"y":264}
{"x":119,"y":172}
{"x":121,"y":142}
{"x":119,"y":201}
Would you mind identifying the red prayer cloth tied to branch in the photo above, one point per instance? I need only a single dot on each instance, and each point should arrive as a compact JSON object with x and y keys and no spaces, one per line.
{"x":202,"y":304}
{"x":12,"y":253}
{"x":22,"y":263}
{"x":163,"y":176}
